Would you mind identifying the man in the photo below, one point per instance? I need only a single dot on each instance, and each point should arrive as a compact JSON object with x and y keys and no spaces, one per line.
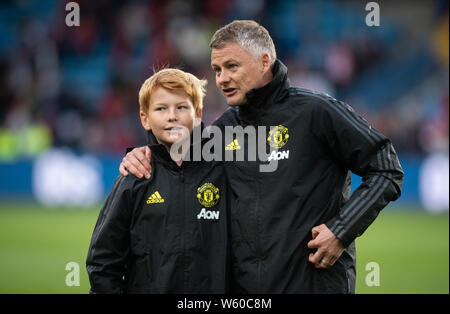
{"x":293,"y":229}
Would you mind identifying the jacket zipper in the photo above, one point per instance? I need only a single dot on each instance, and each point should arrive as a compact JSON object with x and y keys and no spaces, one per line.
{"x":259,"y":261}
{"x":257,"y":231}
{"x":183,"y":234}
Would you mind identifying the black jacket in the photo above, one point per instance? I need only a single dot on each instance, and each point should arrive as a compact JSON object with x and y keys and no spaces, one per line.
{"x":166,"y":235}
{"x":319,"y":140}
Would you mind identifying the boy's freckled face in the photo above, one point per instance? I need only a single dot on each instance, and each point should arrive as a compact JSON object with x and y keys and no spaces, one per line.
{"x":168,"y":111}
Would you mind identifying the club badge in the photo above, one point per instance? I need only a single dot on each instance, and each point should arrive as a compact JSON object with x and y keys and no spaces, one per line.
{"x":278,"y":136}
{"x":208,"y":195}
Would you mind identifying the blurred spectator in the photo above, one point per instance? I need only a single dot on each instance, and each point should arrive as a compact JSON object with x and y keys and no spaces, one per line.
{"x":340,"y":64}
{"x":77,"y":86}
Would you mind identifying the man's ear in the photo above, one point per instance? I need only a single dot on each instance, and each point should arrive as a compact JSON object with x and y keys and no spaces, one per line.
{"x":265,"y":60}
{"x":144,"y":121}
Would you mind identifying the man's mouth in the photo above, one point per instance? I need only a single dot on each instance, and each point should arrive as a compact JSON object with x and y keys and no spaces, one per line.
{"x":228,"y":92}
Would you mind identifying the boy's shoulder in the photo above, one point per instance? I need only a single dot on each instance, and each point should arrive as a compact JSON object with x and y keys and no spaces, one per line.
{"x":130,"y":182}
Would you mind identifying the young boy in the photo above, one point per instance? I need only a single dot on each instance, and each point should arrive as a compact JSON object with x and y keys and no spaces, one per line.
{"x":167,"y":234}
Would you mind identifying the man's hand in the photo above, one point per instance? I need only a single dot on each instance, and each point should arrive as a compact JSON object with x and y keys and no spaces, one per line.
{"x":137,"y":162}
{"x":329,"y":247}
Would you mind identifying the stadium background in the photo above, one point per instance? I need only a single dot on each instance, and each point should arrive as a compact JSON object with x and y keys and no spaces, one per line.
{"x":69,"y":109}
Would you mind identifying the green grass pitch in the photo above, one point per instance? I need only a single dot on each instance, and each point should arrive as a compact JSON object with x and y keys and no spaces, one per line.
{"x":410,"y":247}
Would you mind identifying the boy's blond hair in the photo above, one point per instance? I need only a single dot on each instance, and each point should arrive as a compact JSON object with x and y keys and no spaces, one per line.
{"x":173,"y":79}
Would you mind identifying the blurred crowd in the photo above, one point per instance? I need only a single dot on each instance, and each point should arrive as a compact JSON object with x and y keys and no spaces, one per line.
{"x":78,"y":86}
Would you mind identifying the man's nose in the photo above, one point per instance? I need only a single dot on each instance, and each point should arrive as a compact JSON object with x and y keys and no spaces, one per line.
{"x":222,"y":78}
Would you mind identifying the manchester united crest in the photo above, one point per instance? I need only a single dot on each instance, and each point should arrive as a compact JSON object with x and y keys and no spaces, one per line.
{"x":208,"y":195}
{"x":278,"y":136}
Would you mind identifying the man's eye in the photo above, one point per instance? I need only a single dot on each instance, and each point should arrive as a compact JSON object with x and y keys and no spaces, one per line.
{"x":233,"y":66}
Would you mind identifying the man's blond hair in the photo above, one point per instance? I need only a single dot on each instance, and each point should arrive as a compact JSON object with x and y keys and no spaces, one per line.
{"x":252,"y":37}
{"x":173,"y":79}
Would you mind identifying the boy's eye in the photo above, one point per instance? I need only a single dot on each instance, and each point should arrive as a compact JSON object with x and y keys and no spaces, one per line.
{"x":160,"y":109}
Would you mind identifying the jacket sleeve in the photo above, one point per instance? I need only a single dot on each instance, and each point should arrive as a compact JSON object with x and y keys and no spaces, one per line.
{"x":366,"y":152}
{"x":106,"y":262}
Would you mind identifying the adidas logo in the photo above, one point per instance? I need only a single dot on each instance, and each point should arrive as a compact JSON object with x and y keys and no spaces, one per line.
{"x":233,"y":145}
{"x":155,"y":198}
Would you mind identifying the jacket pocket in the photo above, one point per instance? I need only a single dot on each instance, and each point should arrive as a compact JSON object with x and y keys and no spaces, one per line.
{"x":141,"y":267}
{"x":334,"y":280}
{"x":148,"y":263}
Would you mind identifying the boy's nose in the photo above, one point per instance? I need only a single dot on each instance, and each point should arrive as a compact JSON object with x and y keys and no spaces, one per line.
{"x":172,"y":115}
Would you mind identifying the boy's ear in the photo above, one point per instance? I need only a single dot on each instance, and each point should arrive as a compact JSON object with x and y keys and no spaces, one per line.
{"x":144,"y":121}
{"x":198,"y":117}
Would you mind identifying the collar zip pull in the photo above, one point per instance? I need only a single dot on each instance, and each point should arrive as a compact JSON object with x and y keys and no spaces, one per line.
{"x":181,"y":175}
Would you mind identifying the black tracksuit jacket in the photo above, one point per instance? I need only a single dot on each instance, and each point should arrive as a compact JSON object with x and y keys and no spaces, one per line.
{"x":166,"y":235}
{"x":320,"y":141}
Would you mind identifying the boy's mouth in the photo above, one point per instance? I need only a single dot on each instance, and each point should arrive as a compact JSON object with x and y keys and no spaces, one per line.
{"x":173,"y":128}
{"x":175,"y":131}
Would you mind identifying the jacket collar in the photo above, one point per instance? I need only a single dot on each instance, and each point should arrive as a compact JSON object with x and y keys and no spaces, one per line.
{"x":160,"y":152}
{"x":262,"y":97}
